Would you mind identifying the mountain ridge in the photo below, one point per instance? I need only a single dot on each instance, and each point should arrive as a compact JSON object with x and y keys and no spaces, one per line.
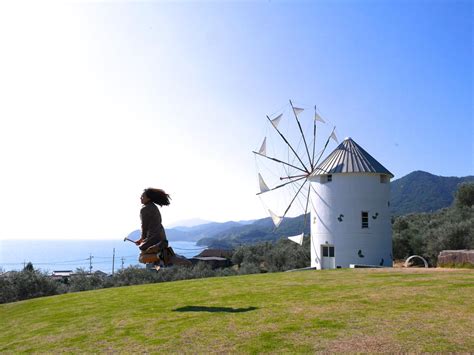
{"x":420,"y":191}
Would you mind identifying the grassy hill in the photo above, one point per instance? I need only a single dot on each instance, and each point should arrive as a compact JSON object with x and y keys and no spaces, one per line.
{"x":361,"y":310}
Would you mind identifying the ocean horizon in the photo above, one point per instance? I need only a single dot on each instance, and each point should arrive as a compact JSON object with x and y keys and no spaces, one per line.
{"x":55,"y":255}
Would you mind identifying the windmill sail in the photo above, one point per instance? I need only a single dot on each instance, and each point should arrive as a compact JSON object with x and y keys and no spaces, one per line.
{"x":297,"y":110}
{"x":276,"y":219}
{"x":297,"y":238}
{"x":263,"y":148}
{"x":263,"y":185}
{"x":277,"y":120}
{"x":317,"y":117}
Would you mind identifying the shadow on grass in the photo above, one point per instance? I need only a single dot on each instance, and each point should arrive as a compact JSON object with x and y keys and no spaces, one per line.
{"x":214,"y":309}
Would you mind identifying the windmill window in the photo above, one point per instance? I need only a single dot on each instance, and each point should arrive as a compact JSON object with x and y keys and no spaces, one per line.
{"x":328,"y":251}
{"x":326,"y":178}
{"x":384,"y":179}
{"x":365,"y":219}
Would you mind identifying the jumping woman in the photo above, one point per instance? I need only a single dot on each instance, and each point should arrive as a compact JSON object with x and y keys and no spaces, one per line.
{"x":153,"y":233}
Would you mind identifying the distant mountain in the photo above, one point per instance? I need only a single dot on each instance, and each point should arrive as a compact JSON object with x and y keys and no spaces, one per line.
{"x":172,"y":234}
{"x":258,"y":231}
{"x":186,"y":223}
{"x":420,"y":191}
{"x":230,"y":234}
{"x":247,"y":222}
{"x":193,"y":234}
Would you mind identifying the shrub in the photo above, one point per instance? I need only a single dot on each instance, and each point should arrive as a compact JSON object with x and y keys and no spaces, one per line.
{"x":465,"y":195}
{"x":25,"y":284}
{"x":249,"y":269}
{"x":279,"y":256}
{"x":427,"y":234}
{"x":7,"y":290}
{"x":83,"y":281}
{"x":133,"y":275}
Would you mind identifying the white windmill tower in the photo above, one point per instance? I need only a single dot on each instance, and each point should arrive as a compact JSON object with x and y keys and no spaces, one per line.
{"x":347,"y":194}
{"x":351,"y":223}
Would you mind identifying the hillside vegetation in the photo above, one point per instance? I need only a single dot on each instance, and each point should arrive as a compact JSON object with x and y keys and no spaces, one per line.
{"x":420,"y":191}
{"x":346,"y":310}
{"x":427,"y":234}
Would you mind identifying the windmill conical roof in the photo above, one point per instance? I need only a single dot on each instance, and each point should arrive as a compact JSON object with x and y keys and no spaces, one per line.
{"x":349,"y":157}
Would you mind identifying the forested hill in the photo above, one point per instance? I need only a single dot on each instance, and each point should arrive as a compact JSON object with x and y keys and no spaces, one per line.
{"x":420,"y":191}
{"x":259,"y":231}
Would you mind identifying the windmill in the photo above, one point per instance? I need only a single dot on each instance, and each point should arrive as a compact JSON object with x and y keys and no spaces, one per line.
{"x":348,"y":193}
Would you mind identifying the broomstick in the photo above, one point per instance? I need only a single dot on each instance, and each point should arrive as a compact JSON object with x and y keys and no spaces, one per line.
{"x":130,"y":240}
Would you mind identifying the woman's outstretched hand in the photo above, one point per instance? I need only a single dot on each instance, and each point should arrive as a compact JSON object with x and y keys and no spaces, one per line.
{"x":139,"y":241}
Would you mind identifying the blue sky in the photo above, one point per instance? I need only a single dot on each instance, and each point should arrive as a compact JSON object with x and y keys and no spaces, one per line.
{"x":101,"y":100}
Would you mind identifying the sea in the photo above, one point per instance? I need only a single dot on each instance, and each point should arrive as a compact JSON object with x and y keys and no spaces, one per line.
{"x":89,"y":255}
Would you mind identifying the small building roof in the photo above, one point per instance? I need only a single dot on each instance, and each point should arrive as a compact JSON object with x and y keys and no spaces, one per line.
{"x":222,"y":253}
{"x":349,"y":157}
{"x":209,"y":258}
{"x":62,"y":272}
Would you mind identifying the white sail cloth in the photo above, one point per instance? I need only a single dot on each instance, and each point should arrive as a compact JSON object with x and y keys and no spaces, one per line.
{"x":317,"y":117}
{"x":297,"y":238}
{"x":276,"y":219}
{"x":263,"y":185}
{"x":263,"y":147}
{"x":297,"y":110}
{"x":277,"y":120}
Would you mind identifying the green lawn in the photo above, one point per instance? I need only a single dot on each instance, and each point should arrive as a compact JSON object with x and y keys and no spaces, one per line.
{"x":361,"y":310}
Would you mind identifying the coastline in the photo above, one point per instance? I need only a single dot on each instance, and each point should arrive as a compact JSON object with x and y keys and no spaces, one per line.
{"x":52,"y":255}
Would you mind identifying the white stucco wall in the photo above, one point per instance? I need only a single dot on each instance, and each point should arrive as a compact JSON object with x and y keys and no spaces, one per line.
{"x":349,"y":194}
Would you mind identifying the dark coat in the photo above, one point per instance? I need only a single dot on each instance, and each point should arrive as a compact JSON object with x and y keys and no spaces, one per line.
{"x":152,"y":229}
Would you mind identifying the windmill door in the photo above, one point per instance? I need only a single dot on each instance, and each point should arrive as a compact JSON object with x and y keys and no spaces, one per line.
{"x":328,"y":260}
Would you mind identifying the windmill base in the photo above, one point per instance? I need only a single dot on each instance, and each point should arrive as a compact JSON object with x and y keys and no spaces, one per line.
{"x":362,"y":266}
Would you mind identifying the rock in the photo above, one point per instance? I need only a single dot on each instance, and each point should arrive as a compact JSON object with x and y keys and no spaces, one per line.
{"x":449,"y":258}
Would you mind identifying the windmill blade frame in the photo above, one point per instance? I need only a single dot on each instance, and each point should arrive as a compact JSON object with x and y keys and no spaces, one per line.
{"x":305,"y":162}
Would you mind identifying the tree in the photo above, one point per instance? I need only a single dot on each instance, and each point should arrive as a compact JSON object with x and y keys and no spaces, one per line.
{"x":29,"y":267}
{"x":465,"y":195}
{"x":238,"y":256}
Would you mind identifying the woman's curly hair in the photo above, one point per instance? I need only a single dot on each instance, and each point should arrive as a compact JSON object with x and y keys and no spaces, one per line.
{"x":157,"y":196}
